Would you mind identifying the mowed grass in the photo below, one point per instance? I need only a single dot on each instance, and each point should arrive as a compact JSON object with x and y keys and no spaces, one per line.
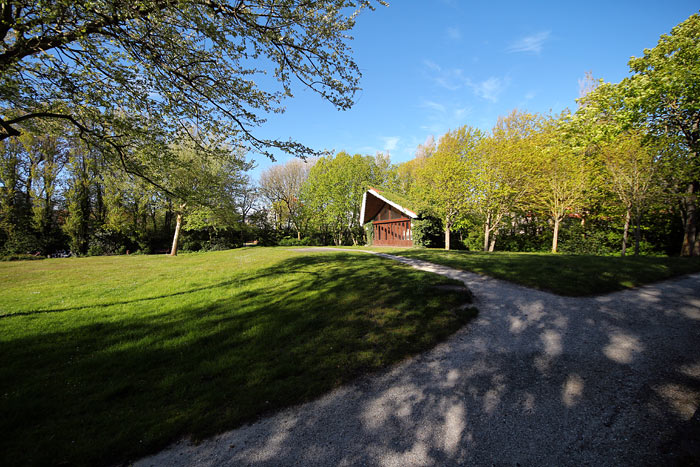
{"x":106,"y":359}
{"x":572,"y":275}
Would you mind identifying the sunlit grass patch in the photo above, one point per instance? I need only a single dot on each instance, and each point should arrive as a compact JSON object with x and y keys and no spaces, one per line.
{"x":572,"y":275}
{"x":106,"y":359}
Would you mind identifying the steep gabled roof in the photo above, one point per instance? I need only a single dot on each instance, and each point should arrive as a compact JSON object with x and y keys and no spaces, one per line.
{"x":370,"y":206}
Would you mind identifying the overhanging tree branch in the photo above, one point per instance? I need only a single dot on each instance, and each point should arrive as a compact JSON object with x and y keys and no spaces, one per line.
{"x":168,"y":65}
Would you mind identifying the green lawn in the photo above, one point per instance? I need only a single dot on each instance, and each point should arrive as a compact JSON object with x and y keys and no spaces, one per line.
{"x":106,"y":359}
{"x":572,"y":275}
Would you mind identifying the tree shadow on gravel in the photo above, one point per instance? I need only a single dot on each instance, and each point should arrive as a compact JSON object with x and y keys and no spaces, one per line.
{"x":535,"y":380}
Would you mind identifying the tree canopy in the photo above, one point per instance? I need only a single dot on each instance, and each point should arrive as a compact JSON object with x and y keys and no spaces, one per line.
{"x":445,"y":181}
{"x":140,"y":73}
{"x":282,"y":185}
{"x":504,"y":165}
{"x":575,"y":183}
{"x":662,"y":97}
{"x":666,"y":83}
{"x":333,"y":193}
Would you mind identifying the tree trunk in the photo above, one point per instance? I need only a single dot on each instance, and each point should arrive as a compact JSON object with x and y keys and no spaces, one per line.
{"x":690,"y":245}
{"x":100,"y":208}
{"x":555,"y":237}
{"x":492,"y":245}
{"x":28,"y":194}
{"x":487,"y":231}
{"x":176,"y":236}
{"x":637,"y":232}
{"x":353,"y":237}
{"x":47,"y":218}
{"x":168,"y":217}
{"x":447,"y":233}
{"x":298,"y":234}
{"x":625,"y":233}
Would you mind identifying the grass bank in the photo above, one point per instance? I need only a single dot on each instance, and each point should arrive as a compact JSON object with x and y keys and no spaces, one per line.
{"x":106,"y":359}
{"x":572,"y":275}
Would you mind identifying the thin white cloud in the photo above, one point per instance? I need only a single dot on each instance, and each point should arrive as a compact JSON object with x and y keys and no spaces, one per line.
{"x":453,"y":79}
{"x":448,"y":78}
{"x":434,"y":106}
{"x":459,"y":113}
{"x":432,"y":65}
{"x":454,"y":33}
{"x":441,"y":117}
{"x":367,"y":150}
{"x":532,"y":43}
{"x":390,"y":142}
{"x":448,"y":83}
{"x":435,"y":128}
{"x":489,"y":89}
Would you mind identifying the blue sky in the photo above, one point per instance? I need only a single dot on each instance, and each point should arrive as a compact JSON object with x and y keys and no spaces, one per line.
{"x":431,"y":66}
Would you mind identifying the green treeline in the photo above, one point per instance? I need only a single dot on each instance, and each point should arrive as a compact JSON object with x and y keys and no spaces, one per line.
{"x":531,"y":184}
{"x":621,"y":174}
{"x":59,"y":196}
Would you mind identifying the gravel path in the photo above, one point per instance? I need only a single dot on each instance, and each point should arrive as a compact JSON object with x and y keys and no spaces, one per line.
{"x":536,"y":379}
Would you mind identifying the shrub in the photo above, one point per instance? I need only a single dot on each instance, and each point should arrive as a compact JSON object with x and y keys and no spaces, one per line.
{"x":105,"y":241}
{"x":509,"y":240}
{"x":293,"y":241}
{"x":187,"y":243}
{"x":95,"y":250}
{"x":319,"y":239}
{"x":20,"y":257}
{"x":473,"y":237}
{"x":588,"y":239}
{"x":428,"y":232}
{"x":220,"y":244}
{"x":21,"y":244}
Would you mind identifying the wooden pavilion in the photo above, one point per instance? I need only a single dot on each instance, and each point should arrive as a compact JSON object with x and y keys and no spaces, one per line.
{"x":391,"y":219}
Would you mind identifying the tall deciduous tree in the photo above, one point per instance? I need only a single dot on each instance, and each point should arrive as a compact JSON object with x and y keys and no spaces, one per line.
{"x":282,"y":185}
{"x":246,"y":198}
{"x":662,"y":96}
{"x":79,"y":203}
{"x":205,"y":181}
{"x":15,"y":211}
{"x":561,"y":176}
{"x":31,"y":166}
{"x":129,"y":74}
{"x":50,"y":158}
{"x":631,"y":168}
{"x":333,"y":193}
{"x":445,"y":182}
{"x":503,"y":166}
{"x":667,"y":93}
{"x":129,"y":203}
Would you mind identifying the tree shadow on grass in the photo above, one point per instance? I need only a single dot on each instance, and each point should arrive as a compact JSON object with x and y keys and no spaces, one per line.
{"x":107,"y":386}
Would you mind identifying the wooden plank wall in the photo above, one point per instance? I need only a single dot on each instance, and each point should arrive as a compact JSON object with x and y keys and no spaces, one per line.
{"x":395,"y":232}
